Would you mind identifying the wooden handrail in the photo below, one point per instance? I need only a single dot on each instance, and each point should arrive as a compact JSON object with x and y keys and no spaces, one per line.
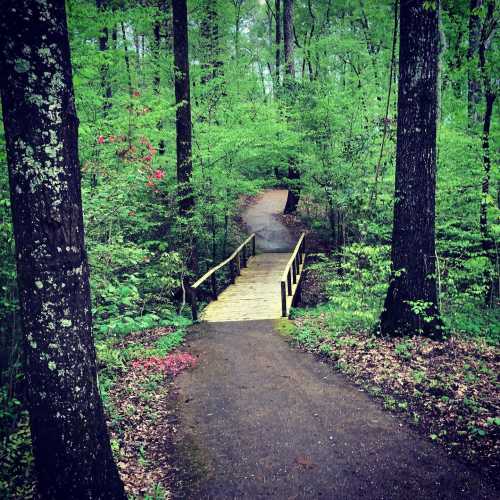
{"x":292,"y":273}
{"x":292,"y":257}
{"x":235,"y":256}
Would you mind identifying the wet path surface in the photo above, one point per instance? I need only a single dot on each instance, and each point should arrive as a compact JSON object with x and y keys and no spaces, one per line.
{"x":260,"y":419}
{"x":262,"y":218}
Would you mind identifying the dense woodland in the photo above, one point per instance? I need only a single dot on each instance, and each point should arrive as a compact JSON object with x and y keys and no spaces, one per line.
{"x":182,"y":112}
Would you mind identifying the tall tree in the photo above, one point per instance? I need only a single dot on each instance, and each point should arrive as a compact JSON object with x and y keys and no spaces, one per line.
{"x":487,"y":33}
{"x":277,"y":14}
{"x":103,"y":47}
{"x":293,"y":197}
{"x":183,"y":111}
{"x":211,"y":62}
{"x":288,"y":38}
{"x":156,"y":47}
{"x":411,"y":305}
{"x":73,"y":456}
{"x":473,"y":86}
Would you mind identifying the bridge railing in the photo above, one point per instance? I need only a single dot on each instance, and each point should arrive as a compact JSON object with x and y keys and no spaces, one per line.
{"x":293,"y":272}
{"x":235,"y":262}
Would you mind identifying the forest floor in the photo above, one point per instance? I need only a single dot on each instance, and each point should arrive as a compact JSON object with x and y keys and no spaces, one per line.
{"x":258,"y":418}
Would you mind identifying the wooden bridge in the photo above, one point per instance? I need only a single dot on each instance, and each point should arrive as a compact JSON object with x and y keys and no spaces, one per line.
{"x":262,"y":285}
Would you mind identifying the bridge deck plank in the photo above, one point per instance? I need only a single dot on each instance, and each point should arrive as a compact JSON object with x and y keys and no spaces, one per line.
{"x":255,"y":293}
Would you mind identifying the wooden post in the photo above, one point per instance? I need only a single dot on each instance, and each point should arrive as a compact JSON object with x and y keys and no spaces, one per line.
{"x":238,"y":265}
{"x":294,"y":271}
{"x":214,"y":286}
{"x":244,"y":259}
{"x":194,"y":305}
{"x":289,"y":282}
{"x":253,"y":245}
{"x":231,"y":272}
{"x":283,"y":299}
{"x":298,"y":293}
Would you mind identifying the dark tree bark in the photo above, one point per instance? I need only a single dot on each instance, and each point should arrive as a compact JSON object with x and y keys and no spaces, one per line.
{"x":473,"y":86}
{"x":161,"y":20}
{"x":487,"y":33}
{"x":156,"y":47}
{"x":210,"y":42}
{"x":210,"y":55}
{"x":411,"y":305}
{"x":166,"y":7}
{"x":104,"y":70}
{"x":288,"y":38}
{"x":277,"y":70}
{"x":73,"y":457}
{"x":183,"y":112}
{"x":293,"y":197}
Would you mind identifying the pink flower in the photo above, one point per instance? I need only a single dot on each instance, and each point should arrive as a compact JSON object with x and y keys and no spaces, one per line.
{"x":111,"y":138}
{"x":101,"y":139}
{"x":172,"y":364}
{"x":159,"y":174}
{"x":148,"y":158}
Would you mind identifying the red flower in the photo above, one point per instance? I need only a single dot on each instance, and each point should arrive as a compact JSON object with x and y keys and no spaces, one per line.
{"x":172,"y":364}
{"x":159,"y":174}
{"x":136,"y":93}
{"x":111,"y":138}
{"x":148,"y":158}
{"x":101,"y":139}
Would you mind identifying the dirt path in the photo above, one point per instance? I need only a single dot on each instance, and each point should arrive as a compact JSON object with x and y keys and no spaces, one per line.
{"x":259,"y":419}
{"x":261,"y":218}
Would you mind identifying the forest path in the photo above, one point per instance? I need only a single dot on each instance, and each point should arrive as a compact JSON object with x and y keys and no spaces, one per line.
{"x":261,"y":218}
{"x":259,"y":419}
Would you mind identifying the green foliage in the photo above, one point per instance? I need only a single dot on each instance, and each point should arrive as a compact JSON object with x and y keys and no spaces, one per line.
{"x":113,"y":357}
{"x":16,"y":473}
{"x":357,"y":289}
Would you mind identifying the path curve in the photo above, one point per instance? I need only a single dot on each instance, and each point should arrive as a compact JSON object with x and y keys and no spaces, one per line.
{"x":259,"y":419}
{"x":262,"y":218}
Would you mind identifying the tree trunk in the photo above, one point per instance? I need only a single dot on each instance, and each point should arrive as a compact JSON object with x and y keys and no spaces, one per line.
{"x":293,"y":197}
{"x":127,"y":59}
{"x":156,"y":48}
{"x":104,"y":70}
{"x":277,"y":70}
{"x":183,"y":112}
{"x":73,"y":457}
{"x":473,"y":86}
{"x":487,"y":241}
{"x":210,"y":40}
{"x":288,"y":38}
{"x":411,"y":305}
{"x":162,"y":20}
{"x":211,"y":59}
